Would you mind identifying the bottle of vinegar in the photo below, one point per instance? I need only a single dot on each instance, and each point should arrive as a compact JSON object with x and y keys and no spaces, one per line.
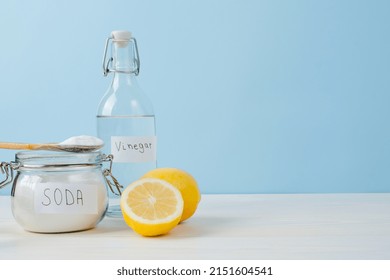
{"x":125,"y":117}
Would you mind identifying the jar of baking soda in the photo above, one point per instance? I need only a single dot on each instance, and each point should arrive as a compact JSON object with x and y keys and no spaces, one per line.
{"x":55,"y":192}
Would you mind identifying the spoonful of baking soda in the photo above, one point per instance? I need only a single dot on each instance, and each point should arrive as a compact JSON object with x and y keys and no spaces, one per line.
{"x":75,"y":144}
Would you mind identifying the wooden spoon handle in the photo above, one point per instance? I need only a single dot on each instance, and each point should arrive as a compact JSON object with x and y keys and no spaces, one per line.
{"x":18,"y":146}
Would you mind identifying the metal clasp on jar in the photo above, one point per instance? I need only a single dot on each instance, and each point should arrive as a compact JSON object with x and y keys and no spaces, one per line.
{"x":7,"y":168}
{"x":112,"y":182}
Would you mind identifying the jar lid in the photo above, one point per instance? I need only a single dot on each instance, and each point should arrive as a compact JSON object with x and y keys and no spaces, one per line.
{"x":40,"y":159}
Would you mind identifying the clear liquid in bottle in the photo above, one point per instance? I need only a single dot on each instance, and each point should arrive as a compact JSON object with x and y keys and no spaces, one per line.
{"x":125,"y":119}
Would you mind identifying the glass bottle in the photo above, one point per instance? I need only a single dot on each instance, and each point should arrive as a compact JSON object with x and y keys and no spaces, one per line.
{"x":125,"y":117}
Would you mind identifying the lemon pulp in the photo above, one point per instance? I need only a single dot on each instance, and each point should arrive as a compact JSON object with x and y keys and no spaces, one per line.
{"x":151,"y":206}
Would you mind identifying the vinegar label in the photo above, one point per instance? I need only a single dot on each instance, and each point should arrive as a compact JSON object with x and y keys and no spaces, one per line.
{"x":60,"y":198}
{"x":133,"y":148}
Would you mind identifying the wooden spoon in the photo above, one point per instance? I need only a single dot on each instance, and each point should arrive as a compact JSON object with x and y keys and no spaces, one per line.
{"x":76,"y":144}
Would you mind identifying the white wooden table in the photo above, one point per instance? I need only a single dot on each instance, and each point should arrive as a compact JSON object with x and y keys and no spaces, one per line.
{"x":277,"y":226}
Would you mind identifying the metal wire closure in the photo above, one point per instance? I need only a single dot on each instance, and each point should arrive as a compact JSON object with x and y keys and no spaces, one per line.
{"x":7,"y":169}
{"x":107,"y":63}
{"x":111,"y":181}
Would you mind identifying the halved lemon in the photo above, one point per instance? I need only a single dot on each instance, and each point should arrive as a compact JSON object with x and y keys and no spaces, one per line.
{"x":151,"y":206}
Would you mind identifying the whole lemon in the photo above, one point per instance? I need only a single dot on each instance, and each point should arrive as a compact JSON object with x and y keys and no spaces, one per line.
{"x":184,"y":182}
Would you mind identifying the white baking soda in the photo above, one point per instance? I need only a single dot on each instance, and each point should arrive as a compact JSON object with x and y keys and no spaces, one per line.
{"x":55,"y":200}
{"x":82,"y":140}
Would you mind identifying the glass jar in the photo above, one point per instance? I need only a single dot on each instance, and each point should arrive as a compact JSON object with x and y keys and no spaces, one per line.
{"x":56,"y":192}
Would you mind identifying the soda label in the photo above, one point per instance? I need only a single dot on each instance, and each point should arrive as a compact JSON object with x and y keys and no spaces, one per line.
{"x":133,"y":148}
{"x":62,"y":198}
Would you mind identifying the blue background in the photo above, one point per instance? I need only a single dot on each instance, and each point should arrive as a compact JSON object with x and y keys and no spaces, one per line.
{"x":250,"y":96}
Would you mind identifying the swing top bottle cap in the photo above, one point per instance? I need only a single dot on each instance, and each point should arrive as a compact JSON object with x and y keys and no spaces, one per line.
{"x":121,"y":37}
